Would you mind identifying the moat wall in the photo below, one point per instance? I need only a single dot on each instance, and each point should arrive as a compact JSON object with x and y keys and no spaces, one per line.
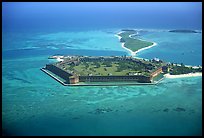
{"x":156,"y":72}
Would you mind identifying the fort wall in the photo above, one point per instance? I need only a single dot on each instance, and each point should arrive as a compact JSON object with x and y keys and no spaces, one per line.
{"x":138,"y":78}
{"x":59,"y":72}
{"x":73,"y":78}
{"x":156,"y":72}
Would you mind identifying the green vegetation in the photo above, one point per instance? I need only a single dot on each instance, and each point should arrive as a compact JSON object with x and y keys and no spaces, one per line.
{"x":107,"y":64}
{"x":176,"y":70}
{"x":115,"y":68}
{"x":133,"y":44}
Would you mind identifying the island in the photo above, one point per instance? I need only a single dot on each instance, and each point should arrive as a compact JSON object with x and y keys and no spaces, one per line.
{"x":184,"y":31}
{"x":83,"y":70}
{"x":133,"y":44}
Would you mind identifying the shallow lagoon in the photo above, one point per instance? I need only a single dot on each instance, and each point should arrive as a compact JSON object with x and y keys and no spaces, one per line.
{"x":35,"y":104}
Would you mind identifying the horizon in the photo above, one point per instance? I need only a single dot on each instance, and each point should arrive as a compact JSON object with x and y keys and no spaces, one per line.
{"x":100,"y":15}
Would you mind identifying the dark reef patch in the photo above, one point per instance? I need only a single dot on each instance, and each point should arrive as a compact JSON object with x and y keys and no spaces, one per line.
{"x":179,"y":109}
{"x":166,"y":110}
{"x":24,"y":81}
{"x":101,"y":111}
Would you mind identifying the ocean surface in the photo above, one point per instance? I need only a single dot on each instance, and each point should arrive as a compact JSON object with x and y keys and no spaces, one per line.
{"x":35,"y":104}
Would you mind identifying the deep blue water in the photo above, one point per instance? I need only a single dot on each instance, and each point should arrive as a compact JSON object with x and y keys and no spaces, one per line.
{"x":35,"y":104}
{"x":87,"y":16}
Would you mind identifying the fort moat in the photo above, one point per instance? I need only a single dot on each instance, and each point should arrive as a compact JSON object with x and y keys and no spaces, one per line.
{"x":112,"y":70}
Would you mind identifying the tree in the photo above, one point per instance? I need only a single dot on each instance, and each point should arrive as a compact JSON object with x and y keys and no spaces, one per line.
{"x":86,"y":65}
{"x":97,"y":65}
{"x":107,"y":64}
{"x":182,"y":64}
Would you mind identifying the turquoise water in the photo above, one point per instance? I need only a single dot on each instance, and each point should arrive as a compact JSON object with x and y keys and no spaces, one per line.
{"x":174,"y":47}
{"x":35,"y":104}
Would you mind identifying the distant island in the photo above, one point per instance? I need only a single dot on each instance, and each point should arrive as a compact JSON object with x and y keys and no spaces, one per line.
{"x":134,"y":45}
{"x":80,"y":70}
{"x":184,"y":31}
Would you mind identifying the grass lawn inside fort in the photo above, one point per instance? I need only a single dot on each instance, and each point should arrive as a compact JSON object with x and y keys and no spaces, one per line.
{"x":133,"y":44}
{"x":119,"y":68}
{"x":102,"y":70}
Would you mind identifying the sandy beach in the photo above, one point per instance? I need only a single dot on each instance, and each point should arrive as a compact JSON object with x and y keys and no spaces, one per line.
{"x":59,"y":59}
{"x":183,"y":75}
{"x":154,"y":44}
{"x":194,"y":67}
{"x":132,"y":52}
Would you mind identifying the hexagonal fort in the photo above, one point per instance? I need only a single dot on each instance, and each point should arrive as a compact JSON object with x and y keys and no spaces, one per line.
{"x":75,"y":69}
